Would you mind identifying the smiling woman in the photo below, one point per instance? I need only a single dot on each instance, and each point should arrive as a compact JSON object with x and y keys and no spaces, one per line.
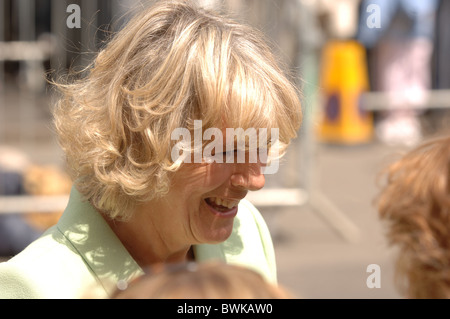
{"x":132,"y":205}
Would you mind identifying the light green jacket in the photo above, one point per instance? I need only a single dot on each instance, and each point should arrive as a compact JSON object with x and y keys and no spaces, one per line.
{"x":81,"y":257}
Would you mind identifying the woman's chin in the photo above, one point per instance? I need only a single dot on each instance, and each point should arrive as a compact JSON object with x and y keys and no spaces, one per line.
{"x":216,"y":229}
{"x":221,"y":235}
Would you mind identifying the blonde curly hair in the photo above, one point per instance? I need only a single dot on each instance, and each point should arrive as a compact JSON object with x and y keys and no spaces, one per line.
{"x":170,"y":65}
{"x":415,"y":204}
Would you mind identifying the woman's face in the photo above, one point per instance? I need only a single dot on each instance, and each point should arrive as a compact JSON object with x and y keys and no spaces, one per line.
{"x":202,"y":202}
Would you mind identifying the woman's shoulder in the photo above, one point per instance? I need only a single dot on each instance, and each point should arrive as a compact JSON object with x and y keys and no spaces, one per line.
{"x":48,"y":268}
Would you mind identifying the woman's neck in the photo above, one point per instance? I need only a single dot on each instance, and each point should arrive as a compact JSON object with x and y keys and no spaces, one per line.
{"x":148,"y":244}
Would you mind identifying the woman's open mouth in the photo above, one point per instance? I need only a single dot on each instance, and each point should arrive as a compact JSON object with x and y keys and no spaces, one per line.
{"x":222,"y":207}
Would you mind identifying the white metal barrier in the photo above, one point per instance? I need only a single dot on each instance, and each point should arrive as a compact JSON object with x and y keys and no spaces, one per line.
{"x":431,"y":99}
{"x":43,"y":204}
{"x":32,"y":204}
{"x":26,"y":50}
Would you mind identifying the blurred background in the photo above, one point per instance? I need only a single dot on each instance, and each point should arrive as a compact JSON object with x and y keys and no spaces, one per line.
{"x":374,"y":83}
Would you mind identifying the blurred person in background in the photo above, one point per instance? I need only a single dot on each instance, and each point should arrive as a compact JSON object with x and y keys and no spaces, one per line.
{"x":401,"y":49}
{"x":133,"y":204}
{"x":440,"y":117}
{"x":15,"y":231}
{"x":20,"y":177}
{"x":415,"y":207}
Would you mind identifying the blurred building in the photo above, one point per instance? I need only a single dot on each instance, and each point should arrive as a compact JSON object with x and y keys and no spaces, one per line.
{"x":38,"y":32}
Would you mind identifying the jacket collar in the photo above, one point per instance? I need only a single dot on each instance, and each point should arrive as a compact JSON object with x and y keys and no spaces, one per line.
{"x":96,"y":243}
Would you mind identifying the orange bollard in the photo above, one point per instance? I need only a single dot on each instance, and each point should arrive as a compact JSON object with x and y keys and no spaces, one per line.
{"x":344,"y":77}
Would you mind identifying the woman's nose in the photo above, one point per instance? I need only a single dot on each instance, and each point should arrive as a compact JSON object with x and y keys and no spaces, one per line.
{"x":248,"y":177}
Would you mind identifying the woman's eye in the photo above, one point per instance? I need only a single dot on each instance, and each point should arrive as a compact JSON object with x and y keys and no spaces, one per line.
{"x":233,"y":152}
{"x":225,"y":153}
{"x":221,"y":157}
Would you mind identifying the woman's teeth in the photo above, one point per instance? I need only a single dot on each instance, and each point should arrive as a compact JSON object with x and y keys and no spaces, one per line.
{"x":222,"y":202}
